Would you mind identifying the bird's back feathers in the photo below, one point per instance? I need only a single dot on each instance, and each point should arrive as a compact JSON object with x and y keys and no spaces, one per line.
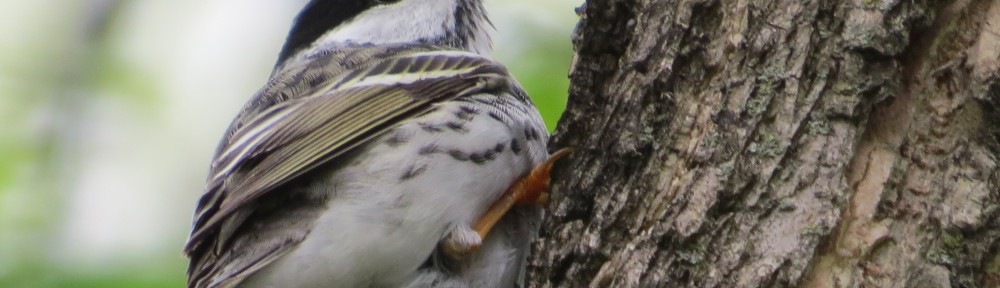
{"x":309,"y":114}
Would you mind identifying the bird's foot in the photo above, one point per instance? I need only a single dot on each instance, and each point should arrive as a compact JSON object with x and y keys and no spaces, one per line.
{"x":530,"y":189}
{"x":460,"y":241}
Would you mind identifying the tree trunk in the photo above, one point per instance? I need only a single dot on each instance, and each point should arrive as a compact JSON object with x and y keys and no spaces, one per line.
{"x":778,"y":143}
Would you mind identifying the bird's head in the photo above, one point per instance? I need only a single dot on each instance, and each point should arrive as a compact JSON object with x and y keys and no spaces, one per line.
{"x":460,"y":24}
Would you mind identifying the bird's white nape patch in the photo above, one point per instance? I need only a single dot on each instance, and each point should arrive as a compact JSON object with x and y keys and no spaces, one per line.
{"x":406,"y":21}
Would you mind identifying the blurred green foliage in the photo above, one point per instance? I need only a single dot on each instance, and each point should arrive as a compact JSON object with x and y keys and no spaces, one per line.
{"x":163,"y":272}
{"x":542,"y":71}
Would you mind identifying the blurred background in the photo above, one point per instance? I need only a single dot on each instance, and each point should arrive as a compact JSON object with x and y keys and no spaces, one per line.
{"x":111,"y":109}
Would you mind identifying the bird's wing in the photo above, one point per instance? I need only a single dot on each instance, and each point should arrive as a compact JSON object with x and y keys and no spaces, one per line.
{"x":294,"y":136}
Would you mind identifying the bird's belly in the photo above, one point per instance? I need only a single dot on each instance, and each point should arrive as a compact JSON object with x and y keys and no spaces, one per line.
{"x":399,"y":195}
{"x":347,"y":247}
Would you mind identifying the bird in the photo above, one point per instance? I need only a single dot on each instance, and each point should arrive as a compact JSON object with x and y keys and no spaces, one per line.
{"x":386,"y":149}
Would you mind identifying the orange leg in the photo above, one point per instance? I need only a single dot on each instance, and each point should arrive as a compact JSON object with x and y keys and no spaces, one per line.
{"x":530,"y":189}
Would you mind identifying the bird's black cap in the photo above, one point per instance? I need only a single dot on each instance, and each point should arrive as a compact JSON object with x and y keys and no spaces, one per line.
{"x":320,"y":16}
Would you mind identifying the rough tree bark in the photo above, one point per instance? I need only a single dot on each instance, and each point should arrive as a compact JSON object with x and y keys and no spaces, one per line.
{"x":778,"y":143}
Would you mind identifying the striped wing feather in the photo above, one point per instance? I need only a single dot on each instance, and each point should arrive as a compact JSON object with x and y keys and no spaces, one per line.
{"x":304,"y":131}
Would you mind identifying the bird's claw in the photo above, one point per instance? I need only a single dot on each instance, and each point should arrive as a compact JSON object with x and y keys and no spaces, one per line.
{"x":534,"y":188}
